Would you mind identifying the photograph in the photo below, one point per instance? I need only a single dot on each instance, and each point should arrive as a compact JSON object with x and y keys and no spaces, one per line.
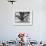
{"x":23,"y":18}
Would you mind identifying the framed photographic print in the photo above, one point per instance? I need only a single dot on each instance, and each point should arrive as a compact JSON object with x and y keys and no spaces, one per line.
{"x":23,"y":18}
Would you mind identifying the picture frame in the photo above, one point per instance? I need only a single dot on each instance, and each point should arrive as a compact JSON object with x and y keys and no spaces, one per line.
{"x":23,"y":18}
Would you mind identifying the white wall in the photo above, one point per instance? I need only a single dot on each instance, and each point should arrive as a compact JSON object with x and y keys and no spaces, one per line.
{"x":37,"y":30}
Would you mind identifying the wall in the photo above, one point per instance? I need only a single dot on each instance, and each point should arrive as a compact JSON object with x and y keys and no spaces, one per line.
{"x":8,"y":30}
